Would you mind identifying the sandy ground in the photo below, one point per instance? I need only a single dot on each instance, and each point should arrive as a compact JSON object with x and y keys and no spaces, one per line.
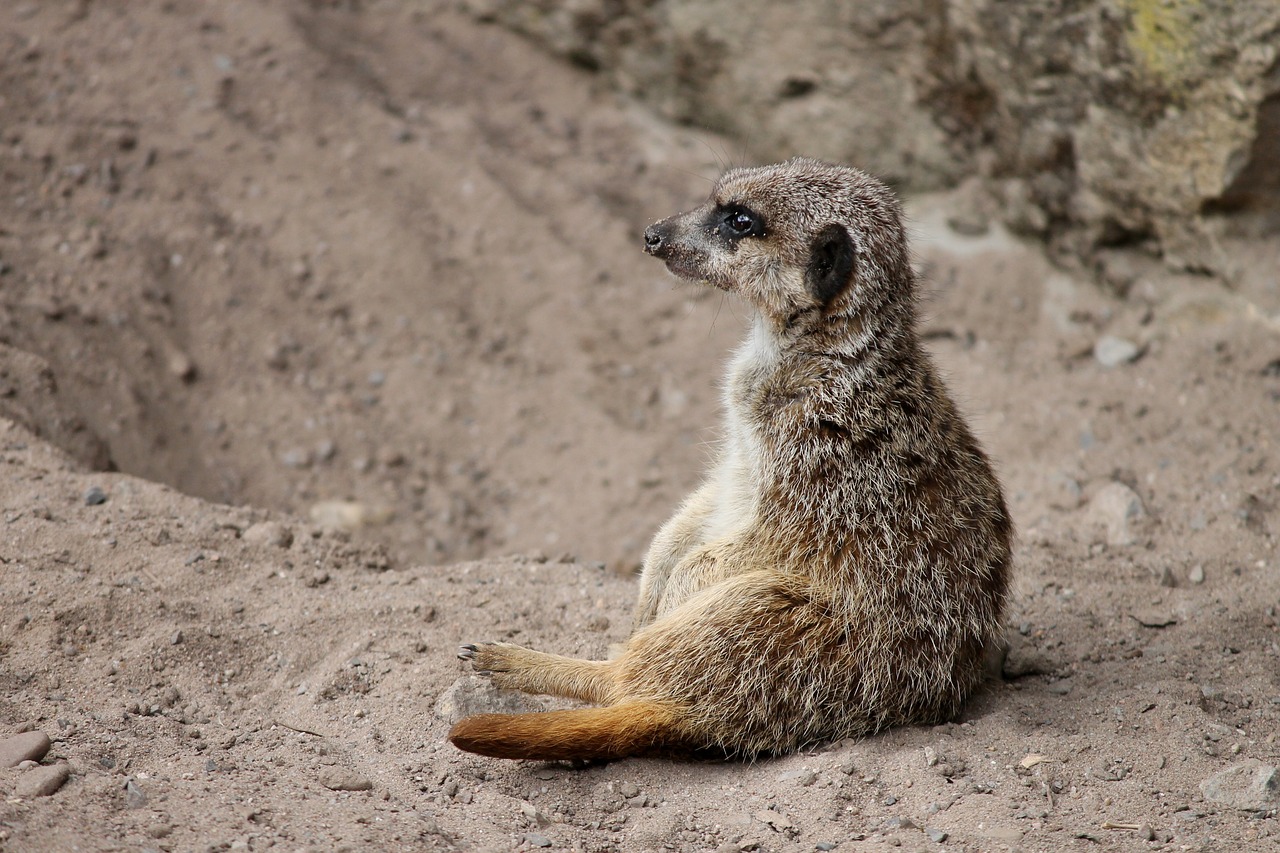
{"x":342,"y":294}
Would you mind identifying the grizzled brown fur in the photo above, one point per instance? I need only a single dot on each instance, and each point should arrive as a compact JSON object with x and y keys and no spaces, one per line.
{"x":845,"y":564}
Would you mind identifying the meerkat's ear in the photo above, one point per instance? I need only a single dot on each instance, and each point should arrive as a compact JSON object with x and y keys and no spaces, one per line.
{"x":831,"y":261}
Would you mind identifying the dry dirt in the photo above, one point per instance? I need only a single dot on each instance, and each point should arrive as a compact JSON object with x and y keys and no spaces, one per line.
{"x":258,"y":258}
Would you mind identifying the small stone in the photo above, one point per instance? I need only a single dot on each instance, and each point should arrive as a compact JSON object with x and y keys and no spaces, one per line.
{"x":534,"y":839}
{"x":181,"y":366}
{"x":627,"y":790}
{"x":1167,"y":578}
{"x":1023,"y":659}
{"x":134,"y":797}
{"x":95,"y":496}
{"x":349,"y":515}
{"x":803,"y":778}
{"x":271,"y":533}
{"x":1115,"y":509}
{"x":937,"y":836}
{"x":28,"y":746}
{"x":729,"y":847}
{"x":774,"y":819}
{"x":339,"y":779}
{"x":1111,"y":351}
{"x":296,"y":457}
{"x":42,"y":781}
{"x":899,"y":823}
{"x":1146,"y":833}
{"x":1247,"y":786}
{"x":825,"y":845}
{"x":160,"y":830}
{"x":1196,"y":575}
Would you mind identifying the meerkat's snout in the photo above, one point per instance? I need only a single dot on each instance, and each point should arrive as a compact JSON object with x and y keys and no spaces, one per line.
{"x":657,"y":238}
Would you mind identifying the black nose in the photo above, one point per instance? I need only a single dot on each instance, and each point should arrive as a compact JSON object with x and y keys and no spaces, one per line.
{"x":655,"y":239}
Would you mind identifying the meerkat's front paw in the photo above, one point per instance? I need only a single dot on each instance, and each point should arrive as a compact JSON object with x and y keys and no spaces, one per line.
{"x":489,"y":658}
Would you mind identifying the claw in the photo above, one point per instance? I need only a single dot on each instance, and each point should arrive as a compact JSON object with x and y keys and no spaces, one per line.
{"x":467,"y":651}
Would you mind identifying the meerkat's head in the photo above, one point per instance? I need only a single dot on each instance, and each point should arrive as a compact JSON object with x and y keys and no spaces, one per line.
{"x":799,"y":239}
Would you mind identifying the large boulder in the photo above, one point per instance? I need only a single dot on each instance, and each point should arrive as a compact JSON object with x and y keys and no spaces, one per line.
{"x":1093,"y":122}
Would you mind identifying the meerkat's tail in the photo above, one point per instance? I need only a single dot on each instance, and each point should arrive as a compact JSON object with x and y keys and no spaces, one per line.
{"x":629,"y":728}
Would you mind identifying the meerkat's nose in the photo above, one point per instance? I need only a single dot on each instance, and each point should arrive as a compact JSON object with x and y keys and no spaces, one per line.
{"x":655,"y":240}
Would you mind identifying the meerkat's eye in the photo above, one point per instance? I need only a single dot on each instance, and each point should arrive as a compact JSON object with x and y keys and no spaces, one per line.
{"x":738,"y":222}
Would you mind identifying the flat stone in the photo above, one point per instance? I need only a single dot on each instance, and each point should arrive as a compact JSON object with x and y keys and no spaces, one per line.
{"x":28,"y":746}
{"x":1248,"y":786}
{"x":534,"y":839}
{"x":474,"y":694}
{"x":339,"y":779}
{"x":804,"y":778}
{"x":42,"y":781}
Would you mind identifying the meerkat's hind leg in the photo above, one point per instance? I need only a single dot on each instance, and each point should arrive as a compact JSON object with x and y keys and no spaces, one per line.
{"x":518,"y":668}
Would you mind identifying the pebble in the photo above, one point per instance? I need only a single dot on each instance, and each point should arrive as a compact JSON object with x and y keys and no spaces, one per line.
{"x":1114,"y":508}
{"x":1196,"y":575}
{"x":534,"y":839}
{"x":1248,"y":786}
{"x":339,"y":779}
{"x":269,"y":533}
{"x":1111,"y":351}
{"x":825,"y":845}
{"x":628,"y":789}
{"x":42,"y":781}
{"x":28,"y":746}
{"x":937,"y":836}
{"x":804,"y":778}
{"x":95,"y":496}
{"x":1023,"y":658}
{"x":349,"y":515}
{"x":134,"y":797}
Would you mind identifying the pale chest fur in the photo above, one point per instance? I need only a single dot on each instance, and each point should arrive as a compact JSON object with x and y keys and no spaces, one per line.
{"x":738,"y":472}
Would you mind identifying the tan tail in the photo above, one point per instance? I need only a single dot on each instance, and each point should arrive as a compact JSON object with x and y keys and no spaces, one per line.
{"x":616,"y":731}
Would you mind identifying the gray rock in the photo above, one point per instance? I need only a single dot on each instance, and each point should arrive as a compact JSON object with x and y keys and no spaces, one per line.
{"x":94,"y":496}
{"x":1196,"y":575}
{"x":42,"y":781}
{"x":28,"y":746}
{"x":341,"y":779}
{"x":1248,"y":786}
{"x":534,"y":839}
{"x":269,"y":533}
{"x":1111,"y":351}
{"x":937,"y":836}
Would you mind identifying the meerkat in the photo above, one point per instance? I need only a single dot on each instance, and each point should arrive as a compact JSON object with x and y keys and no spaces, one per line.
{"x":845,"y":564}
